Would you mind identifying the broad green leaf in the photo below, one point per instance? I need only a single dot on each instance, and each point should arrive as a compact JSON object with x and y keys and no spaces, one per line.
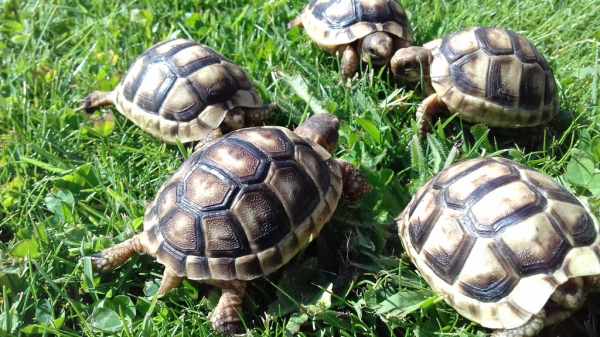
{"x":370,"y":128}
{"x":295,"y":323}
{"x":26,"y":248}
{"x":106,"y":320}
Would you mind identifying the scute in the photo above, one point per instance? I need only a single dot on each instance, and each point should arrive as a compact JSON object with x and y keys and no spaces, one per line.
{"x":494,"y":76}
{"x":232,"y":210}
{"x":488,"y":234}
{"x":177,"y":90}
{"x":262,"y":216}
{"x":337,"y":22}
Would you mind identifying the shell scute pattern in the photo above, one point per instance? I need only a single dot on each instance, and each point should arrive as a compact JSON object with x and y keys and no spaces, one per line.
{"x":337,"y":22}
{"x":485,"y":230}
{"x":178,"y":79}
{"x":498,"y":72}
{"x":244,"y":205}
{"x":344,"y":13}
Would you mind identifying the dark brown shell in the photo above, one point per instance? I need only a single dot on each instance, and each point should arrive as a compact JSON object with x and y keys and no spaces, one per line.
{"x":243,"y":206}
{"x":494,"y":76}
{"x":181,"y":90}
{"x":496,"y":239}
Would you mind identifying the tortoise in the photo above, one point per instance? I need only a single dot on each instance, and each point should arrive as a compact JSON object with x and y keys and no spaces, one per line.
{"x":181,"y":90}
{"x":505,"y":245}
{"x":370,"y":30}
{"x":240,"y":208}
{"x":485,"y":75}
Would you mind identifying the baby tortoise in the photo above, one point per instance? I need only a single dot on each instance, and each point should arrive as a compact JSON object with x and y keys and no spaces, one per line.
{"x":485,"y":75}
{"x":371,"y":30}
{"x":240,"y":208}
{"x":180,"y":90}
{"x":506,"y":246}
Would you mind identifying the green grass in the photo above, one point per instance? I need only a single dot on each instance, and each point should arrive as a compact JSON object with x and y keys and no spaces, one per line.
{"x":70,"y":187}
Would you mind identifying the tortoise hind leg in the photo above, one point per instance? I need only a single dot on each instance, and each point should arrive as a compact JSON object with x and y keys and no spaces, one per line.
{"x":118,"y":254}
{"x":354,"y":183}
{"x":529,"y":329}
{"x":226,"y":316}
{"x":256,"y":116}
{"x":350,"y":62}
{"x":297,"y":22}
{"x":567,"y":299}
{"x":428,"y":112}
{"x":170,"y":280}
{"x":96,"y":100}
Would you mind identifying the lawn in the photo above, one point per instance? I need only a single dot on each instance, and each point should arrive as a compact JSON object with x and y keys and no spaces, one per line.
{"x":71,"y":186}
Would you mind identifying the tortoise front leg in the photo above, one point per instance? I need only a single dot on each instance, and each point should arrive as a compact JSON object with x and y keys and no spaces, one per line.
{"x":118,"y":254}
{"x":96,"y":100}
{"x":226,"y":316}
{"x":213,"y":135}
{"x":350,"y":62}
{"x":169,"y":281}
{"x":354,"y":183}
{"x":428,"y":112}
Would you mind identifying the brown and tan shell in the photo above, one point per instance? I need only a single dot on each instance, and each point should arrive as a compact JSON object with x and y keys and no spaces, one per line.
{"x":496,"y":239}
{"x":494,"y":76}
{"x":243,"y":206}
{"x":335,"y":23}
{"x":182,"y":90}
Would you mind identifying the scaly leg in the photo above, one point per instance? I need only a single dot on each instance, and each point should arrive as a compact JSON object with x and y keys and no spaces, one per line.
{"x":118,"y":254}
{"x":226,"y":316}
{"x":350,"y":62}
{"x":169,"y":281}
{"x":213,"y":135}
{"x":569,"y":297}
{"x":96,"y":100}
{"x":297,"y":22}
{"x":529,"y":329}
{"x":354,"y":183}
{"x":428,"y":111}
{"x":257,"y":116}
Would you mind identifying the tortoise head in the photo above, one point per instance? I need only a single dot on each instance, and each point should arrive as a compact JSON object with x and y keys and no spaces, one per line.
{"x":377,"y":48}
{"x":321,"y":129}
{"x":411,"y":64}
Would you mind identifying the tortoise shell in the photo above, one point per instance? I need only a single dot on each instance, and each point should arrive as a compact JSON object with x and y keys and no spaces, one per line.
{"x":494,"y":76}
{"x":243,"y":206}
{"x":181,"y":90}
{"x":333,"y":23}
{"x":496,"y":239}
